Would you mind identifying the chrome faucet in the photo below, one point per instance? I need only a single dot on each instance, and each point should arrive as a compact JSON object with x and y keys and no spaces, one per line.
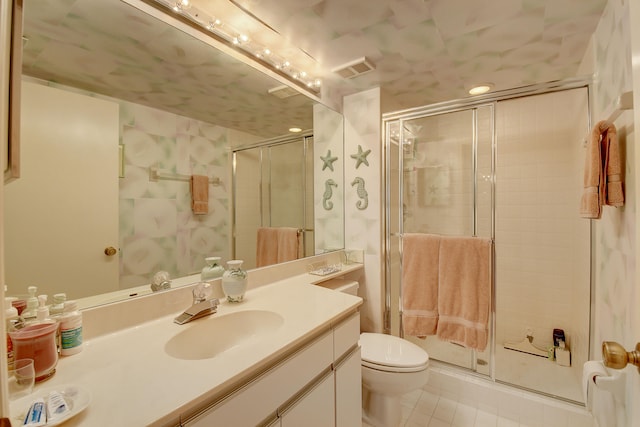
{"x":198,"y":310}
{"x":203,"y":304}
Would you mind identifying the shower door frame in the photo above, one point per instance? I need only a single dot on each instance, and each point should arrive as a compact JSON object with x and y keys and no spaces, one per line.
{"x":273,"y":142}
{"x":492,"y":99}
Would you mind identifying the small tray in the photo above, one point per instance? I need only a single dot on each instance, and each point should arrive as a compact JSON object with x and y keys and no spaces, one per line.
{"x":322,"y":269}
{"x":78,"y":398}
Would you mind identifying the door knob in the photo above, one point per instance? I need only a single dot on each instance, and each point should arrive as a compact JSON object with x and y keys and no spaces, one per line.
{"x":616,"y":357}
{"x":110,"y":251}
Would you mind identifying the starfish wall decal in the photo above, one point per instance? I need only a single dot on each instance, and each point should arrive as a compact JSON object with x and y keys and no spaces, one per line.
{"x":328,"y":161}
{"x":361,"y":157}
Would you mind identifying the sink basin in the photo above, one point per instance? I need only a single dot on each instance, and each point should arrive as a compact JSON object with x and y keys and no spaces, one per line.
{"x":206,"y":338}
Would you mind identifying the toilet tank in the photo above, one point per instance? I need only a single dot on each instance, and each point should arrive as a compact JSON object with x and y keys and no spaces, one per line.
{"x":342,"y":285}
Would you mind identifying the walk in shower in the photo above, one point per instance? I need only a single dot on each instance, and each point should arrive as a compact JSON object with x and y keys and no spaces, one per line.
{"x":507,"y":167}
{"x":272,"y":187}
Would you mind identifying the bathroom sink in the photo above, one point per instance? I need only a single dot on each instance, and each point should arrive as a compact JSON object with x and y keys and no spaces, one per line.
{"x":207,"y":338}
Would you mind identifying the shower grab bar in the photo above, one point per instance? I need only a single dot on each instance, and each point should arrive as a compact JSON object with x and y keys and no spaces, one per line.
{"x":156,"y":175}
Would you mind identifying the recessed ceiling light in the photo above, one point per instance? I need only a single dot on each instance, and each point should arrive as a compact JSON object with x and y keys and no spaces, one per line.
{"x":480,"y":89}
{"x":295,"y":130}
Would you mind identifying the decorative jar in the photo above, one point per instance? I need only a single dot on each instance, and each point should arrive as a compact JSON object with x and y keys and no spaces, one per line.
{"x":234,"y":281}
{"x":213,"y":269}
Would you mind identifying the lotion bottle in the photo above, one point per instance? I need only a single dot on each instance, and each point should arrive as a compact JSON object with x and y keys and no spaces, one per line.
{"x":70,"y":329}
{"x":31,"y":311}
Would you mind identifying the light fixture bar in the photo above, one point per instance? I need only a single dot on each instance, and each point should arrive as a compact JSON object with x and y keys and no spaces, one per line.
{"x":253,"y":50}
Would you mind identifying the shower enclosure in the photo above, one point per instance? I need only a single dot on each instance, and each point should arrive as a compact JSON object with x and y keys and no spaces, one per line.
{"x":506,"y":167}
{"x":272,"y":187}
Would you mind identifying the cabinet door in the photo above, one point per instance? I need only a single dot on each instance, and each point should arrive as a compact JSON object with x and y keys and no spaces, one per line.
{"x":314,"y":409}
{"x":348,"y":377}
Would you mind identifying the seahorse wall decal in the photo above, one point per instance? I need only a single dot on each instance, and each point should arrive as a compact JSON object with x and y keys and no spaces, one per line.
{"x":327,"y":204}
{"x":362,"y":193}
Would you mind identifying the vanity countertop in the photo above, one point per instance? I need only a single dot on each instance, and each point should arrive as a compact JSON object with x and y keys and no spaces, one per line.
{"x":134,"y":382}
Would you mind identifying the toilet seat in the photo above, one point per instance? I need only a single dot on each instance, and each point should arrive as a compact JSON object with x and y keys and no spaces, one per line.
{"x":391,"y":354}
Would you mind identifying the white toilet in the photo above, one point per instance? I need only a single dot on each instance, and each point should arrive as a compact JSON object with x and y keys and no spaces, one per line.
{"x":391,"y":367}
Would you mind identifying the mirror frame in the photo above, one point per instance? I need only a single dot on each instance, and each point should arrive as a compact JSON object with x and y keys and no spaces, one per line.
{"x":12,"y":161}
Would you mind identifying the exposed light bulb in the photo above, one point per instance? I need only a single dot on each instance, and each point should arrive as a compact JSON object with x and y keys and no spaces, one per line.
{"x":295,"y":129}
{"x":303,"y":74}
{"x":286,"y":63}
{"x":236,"y":40}
{"x":185,"y":2}
{"x":244,"y":38}
{"x":317,"y":82}
{"x":267,"y":51}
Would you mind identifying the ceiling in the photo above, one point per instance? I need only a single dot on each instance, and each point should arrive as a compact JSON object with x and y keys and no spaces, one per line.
{"x":424,"y":51}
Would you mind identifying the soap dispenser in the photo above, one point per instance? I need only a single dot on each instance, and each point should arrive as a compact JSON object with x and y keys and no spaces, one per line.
{"x":31,"y":310}
{"x":42,"y":314}
{"x":57,"y":306}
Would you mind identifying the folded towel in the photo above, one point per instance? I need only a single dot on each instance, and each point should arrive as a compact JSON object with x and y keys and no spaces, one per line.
{"x":276,"y":245}
{"x":420,"y":284}
{"x":464,"y":292}
{"x":602,"y":171}
{"x":199,"y":185}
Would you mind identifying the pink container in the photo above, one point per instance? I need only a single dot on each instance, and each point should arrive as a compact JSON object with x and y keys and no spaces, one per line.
{"x":37,"y":342}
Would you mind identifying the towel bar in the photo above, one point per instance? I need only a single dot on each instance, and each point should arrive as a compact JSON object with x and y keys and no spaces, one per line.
{"x":156,"y":175}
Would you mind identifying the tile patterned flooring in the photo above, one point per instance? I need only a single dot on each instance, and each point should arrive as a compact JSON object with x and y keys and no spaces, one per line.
{"x":426,"y":408}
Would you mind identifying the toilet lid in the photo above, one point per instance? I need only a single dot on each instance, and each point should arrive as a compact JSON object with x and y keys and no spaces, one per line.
{"x":382,"y":350}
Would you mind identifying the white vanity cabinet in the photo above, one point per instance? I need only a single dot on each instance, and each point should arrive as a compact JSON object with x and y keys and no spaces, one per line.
{"x":318,"y":385}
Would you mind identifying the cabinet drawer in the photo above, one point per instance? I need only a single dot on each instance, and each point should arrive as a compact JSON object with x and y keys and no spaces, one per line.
{"x":254,"y":402}
{"x":346,"y":335}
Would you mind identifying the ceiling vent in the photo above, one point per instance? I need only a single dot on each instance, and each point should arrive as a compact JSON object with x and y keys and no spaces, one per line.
{"x":354,"y":68}
{"x":283,"y":91}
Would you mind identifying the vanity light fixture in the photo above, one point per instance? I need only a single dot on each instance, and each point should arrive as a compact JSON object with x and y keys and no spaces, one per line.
{"x":295,"y":130}
{"x":480,"y":89}
{"x":240,"y":41}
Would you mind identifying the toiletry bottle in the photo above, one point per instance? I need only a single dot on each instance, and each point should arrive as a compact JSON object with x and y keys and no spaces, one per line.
{"x":31,"y":311}
{"x":42,"y":313}
{"x":12,"y":319}
{"x":57,"y":306}
{"x":70,"y":329}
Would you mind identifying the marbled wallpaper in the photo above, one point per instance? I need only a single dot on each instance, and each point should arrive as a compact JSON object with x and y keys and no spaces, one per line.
{"x":158,"y":230}
{"x":615,"y":253}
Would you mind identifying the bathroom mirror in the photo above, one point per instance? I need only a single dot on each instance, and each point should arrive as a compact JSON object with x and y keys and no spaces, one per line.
{"x":119,"y":108}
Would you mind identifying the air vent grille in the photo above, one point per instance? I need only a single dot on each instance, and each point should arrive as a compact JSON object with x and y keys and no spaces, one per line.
{"x":283,"y":91}
{"x":354,"y":68}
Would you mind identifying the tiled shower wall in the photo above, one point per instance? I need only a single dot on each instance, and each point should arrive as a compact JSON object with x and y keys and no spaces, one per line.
{"x":542,"y":245}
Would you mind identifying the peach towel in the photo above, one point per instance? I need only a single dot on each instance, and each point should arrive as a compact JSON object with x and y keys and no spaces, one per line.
{"x":276,"y":245}
{"x":602,"y":171}
{"x":199,"y":185}
{"x":420,"y":284}
{"x":464,"y":291}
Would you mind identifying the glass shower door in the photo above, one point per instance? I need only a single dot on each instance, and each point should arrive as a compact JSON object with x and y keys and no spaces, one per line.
{"x":446,"y":163}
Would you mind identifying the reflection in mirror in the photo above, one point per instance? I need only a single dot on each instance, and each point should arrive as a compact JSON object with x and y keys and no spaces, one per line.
{"x":119,"y":110}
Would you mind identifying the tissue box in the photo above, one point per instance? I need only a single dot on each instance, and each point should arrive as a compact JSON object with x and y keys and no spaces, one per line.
{"x":563,"y":356}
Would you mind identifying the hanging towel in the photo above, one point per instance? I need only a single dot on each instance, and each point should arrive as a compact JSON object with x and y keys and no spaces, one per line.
{"x":289,"y":244}
{"x":464,"y":291}
{"x":199,"y":185}
{"x":614,"y":193}
{"x":602,"y":171}
{"x":420,"y":284}
{"x":277,"y":244}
